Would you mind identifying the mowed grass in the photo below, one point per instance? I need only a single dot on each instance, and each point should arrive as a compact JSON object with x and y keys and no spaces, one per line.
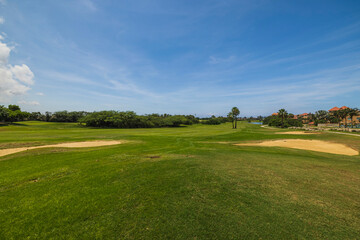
{"x":175,"y":183}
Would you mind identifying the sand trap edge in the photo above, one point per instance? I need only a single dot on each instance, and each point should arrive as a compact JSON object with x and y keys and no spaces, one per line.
{"x":297,"y":133}
{"x":8,"y":151}
{"x":309,"y":145}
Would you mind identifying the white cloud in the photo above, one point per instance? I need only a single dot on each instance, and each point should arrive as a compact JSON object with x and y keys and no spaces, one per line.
{"x":2,"y":20}
{"x":40,"y":94}
{"x":14,"y":80}
{"x":9,"y":86}
{"x":23,"y":74}
{"x":4,"y":53}
{"x":32,"y":103}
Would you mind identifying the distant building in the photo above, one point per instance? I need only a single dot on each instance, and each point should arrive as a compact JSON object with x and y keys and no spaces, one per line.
{"x":334,"y":109}
{"x":304,"y":117}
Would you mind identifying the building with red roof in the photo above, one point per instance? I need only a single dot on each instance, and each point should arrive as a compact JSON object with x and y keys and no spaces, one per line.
{"x":334,"y":109}
{"x":337,"y":109}
{"x":304,"y":117}
{"x":347,"y":120}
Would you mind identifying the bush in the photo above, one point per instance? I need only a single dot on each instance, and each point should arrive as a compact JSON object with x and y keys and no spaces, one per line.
{"x":275,"y":121}
{"x":212,"y":121}
{"x":129,"y":119}
{"x":4,"y":113}
{"x":65,"y":116}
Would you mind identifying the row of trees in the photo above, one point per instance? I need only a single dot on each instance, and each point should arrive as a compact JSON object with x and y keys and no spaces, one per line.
{"x":344,"y":114}
{"x":13,"y":113}
{"x":129,"y":119}
{"x":213,"y":120}
{"x":323,"y":116}
{"x":115,"y":119}
{"x":283,"y":119}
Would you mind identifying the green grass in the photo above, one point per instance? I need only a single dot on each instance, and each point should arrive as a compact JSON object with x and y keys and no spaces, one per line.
{"x":195,"y":189}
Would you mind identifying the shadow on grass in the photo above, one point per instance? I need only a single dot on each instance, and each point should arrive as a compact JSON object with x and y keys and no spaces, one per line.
{"x":3,"y":124}
{"x":90,"y":127}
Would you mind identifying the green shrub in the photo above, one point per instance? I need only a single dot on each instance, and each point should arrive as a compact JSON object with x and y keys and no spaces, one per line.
{"x":129,"y":119}
{"x":275,"y":121}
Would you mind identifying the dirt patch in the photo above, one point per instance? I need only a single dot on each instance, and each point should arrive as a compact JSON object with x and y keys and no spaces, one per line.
{"x":4,"y":152}
{"x":312,"y":145}
{"x":298,"y":133}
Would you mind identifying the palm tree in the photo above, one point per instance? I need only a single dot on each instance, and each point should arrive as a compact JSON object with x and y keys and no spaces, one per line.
{"x":353,"y":112}
{"x":230,"y":116}
{"x":283,"y":114}
{"x":337,"y":115}
{"x":321,"y":116}
{"x":343,"y":114}
{"x":235,"y":112}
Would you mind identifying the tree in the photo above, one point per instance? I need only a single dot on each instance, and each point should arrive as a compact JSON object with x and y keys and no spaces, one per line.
{"x":353,"y":112}
{"x":37,"y":116}
{"x":343,"y":113}
{"x":235,"y":112}
{"x":48,"y":116}
{"x":321,"y":116}
{"x":14,"y":107}
{"x":283,"y":114}
{"x":231,"y":118}
{"x":4,"y":113}
{"x":15,"y":116}
{"x":337,"y":116}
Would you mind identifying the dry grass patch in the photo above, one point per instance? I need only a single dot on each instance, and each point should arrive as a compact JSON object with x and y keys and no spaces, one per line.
{"x":312,"y":145}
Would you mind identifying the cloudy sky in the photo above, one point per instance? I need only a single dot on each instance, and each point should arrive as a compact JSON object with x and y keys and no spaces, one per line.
{"x":195,"y":57}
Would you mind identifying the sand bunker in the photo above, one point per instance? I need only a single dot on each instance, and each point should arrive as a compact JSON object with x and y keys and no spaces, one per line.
{"x":5,"y":152}
{"x":313,"y":145}
{"x":297,"y":133}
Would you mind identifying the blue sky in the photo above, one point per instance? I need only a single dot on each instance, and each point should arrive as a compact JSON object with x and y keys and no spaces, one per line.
{"x":180,"y":57}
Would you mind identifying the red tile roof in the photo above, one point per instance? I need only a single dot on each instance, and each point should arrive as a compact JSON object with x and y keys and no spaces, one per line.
{"x":304,"y":114}
{"x":334,"y":109}
{"x":274,"y":114}
{"x":344,"y":107}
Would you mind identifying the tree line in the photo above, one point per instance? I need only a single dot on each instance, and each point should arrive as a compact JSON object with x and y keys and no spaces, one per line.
{"x":13,"y":113}
{"x":114,"y":119}
{"x":285,"y":119}
{"x":129,"y":119}
{"x":118,"y":119}
{"x":323,"y":116}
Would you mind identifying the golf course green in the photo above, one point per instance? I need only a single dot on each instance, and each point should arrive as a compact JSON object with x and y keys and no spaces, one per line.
{"x":188,"y":182}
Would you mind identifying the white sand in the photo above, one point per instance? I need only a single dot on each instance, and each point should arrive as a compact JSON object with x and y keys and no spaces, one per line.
{"x":297,"y":133}
{"x":4,"y":152}
{"x":313,"y":145}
